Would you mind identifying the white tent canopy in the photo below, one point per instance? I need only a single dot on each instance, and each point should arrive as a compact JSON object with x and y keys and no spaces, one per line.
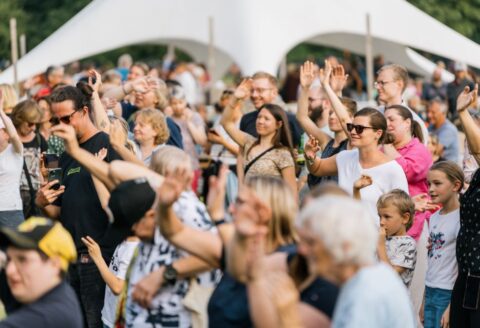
{"x":255,"y":34}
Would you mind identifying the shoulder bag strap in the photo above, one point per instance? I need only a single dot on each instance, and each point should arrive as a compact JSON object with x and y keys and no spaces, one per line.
{"x":249,"y":165}
{"x":30,"y":185}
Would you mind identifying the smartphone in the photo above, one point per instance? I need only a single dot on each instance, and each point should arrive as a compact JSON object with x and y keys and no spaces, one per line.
{"x":55,"y":174}
{"x":52,"y":161}
{"x":472,"y":292}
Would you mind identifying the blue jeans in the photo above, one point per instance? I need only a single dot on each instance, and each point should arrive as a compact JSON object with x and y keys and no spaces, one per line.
{"x":11,"y":219}
{"x":90,"y":289}
{"x":436,"y":302}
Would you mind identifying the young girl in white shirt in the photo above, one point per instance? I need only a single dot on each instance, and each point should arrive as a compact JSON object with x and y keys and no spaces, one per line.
{"x":445,"y":181}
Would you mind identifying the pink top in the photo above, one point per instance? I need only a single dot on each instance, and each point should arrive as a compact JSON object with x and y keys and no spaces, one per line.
{"x":415,"y":161}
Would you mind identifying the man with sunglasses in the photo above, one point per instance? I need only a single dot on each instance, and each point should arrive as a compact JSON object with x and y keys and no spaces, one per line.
{"x":391,"y":82}
{"x":76,"y":203}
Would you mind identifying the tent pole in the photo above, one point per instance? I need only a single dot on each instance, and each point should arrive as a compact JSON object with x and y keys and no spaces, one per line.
{"x":23,"y":45}
{"x":14,"y":51}
{"x":211,"y":50}
{"x":369,"y":59}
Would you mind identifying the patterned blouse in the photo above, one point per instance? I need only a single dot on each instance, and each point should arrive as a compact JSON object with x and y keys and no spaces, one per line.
{"x":270,"y":164}
{"x":468,"y":240}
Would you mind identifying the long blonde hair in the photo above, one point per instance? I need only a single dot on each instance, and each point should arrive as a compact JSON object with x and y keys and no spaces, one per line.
{"x":278,"y":195}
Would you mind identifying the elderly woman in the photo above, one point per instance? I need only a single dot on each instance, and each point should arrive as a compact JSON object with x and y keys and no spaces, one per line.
{"x":343,"y":248}
{"x":340,"y":248}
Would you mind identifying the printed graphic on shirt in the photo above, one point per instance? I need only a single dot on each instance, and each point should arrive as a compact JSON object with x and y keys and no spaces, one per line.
{"x":436,"y":243}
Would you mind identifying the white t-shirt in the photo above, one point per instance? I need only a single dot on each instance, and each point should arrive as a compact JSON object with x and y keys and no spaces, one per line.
{"x":167,"y":309}
{"x":11,"y":166}
{"x":402,"y":252}
{"x":442,"y":263}
{"x":385,"y":177}
{"x":374,"y":297}
{"x":118,"y":265}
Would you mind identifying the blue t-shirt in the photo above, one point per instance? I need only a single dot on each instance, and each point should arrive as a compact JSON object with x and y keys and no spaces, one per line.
{"x":375,"y":297}
{"x":448,"y":136}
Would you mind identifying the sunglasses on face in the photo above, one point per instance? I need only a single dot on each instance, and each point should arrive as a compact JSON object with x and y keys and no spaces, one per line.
{"x":31,"y":124}
{"x":358,"y":128}
{"x":64,"y":119}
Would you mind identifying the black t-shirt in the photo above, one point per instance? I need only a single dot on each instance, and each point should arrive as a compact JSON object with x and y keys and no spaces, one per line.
{"x":31,"y":153}
{"x":81,"y":212}
{"x":248,"y":125}
{"x":58,"y":308}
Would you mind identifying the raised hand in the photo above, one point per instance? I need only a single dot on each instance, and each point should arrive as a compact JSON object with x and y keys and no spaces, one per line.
{"x":307,"y":74}
{"x":98,"y":80}
{"x":117,"y":135}
{"x":216,"y":194}
{"x":362,"y":182}
{"x":244,"y":88}
{"x":67,"y":133}
{"x":338,"y":79}
{"x":171,"y":188}
{"x":422,"y":203}
{"x":467,"y":99}
{"x":325,"y":73}
{"x":251,"y":215}
{"x":141,"y":85}
{"x":311,"y":147}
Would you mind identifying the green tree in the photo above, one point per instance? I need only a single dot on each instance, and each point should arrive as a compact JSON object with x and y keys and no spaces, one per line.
{"x":461,"y":15}
{"x":8,"y":9}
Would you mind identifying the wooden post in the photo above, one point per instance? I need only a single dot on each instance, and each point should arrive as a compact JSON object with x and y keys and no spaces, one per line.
{"x":14,"y":48}
{"x":23,"y":45}
{"x":211,"y":55}
{"x":369,"y":59}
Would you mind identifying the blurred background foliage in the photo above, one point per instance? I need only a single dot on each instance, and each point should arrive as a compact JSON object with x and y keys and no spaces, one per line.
{"x":38,"y":19}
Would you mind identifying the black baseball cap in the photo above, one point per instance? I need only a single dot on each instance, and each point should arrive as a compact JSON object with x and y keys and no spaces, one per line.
{"x":130,"y":200}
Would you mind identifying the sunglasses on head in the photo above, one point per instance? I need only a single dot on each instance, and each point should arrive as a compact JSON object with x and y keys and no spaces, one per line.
{"x":358,"y":128}
{"x":64,"y":119}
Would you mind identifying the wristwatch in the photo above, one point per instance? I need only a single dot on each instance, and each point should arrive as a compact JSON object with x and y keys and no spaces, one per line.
{"x":170,"y":274}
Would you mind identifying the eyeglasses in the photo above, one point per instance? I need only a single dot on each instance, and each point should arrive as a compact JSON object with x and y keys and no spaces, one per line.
{"x":381,"y":84}
{"x":64,"y":119}
{"x":260,"y":90}
{"x":358,"y":128}
{"x":30,"y":124}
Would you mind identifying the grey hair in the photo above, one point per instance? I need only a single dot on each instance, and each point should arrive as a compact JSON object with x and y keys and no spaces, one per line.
{"x":441,"y":103}
{"x":345,"y":228}
{"x":167,"y":159}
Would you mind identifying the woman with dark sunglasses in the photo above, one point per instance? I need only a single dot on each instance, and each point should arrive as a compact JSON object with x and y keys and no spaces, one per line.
{"x":367,"y":131}
{"x":25,"y":116}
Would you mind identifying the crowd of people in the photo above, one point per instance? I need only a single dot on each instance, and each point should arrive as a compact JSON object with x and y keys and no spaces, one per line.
{"x":127,"y":200}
